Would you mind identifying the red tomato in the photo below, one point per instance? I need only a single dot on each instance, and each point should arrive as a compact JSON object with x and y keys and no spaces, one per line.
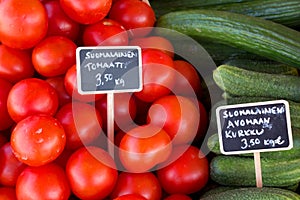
{"x":59,"y":23}
{"x":203,"y":122}
{"x":154,"y":42}
{"x":44,"y":182}
{"x":82,"y":123}
{"x":54,"y":56}
{"x":3,"y":139}
{"x":144,"y":184}
{"x":38,"y":139}
{"x":107,"y":32}
{"x":185,"y":172}
{"x":10,"y":166}
{"x":144,"y":147}
{"x":86,"y":12}
{"x":188,"y":81}
{"x":91,"y":173}
{"x":8,"y":193}
{"x":72,"y":89}
{"x":31,"y":96}
{"x":58,"y":84}
{"x":177,"y":115}
{"x":133,"y":14}
{"x":15,"y":64}
{"x":158,"y":75}
{"x":6,"y":120}
{"x":178,"y":197}
{"x":23,"y":23}
{"x":124,"y":110}
{"x":130,"y":197}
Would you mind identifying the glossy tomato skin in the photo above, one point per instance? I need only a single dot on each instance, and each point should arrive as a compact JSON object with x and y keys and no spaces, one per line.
{"x":107,"y":32}
{"x":133,"y":14}
{"x":8,"y":193}
{"x":84,"y":11}
{"x":158,"y":75}
{"x":177,"y":115}
{"x":23,"y":23}
{"x":185,"y":172}
{"x":91,"y":172}
{"x":31,"y":96}
{"x":130,"y":197}
{"x":124,"y":110}
{"x":57,"y":83}
{"x":59,"y":23}
{"x":82,"y":123}
{"x":144,"y":184}
{"x":188,"y":82}
{"x":10,"y":166}
{"x":154,"y":42}
{"x":143,"y":147}
{"x":70,"y":83}
{"x":6,"y":120}
{"x":54,"y":55}
{"x":44,"y":182}
{"x":38,"y":139}
{"x":15,"y":64}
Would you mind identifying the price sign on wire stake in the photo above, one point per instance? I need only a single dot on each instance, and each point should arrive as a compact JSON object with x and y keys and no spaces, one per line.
{"x":254,"y":128}
{"x":109,"y":70}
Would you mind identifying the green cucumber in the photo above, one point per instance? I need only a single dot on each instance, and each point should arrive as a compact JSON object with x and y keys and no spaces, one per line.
{"x":266,"y":66}
{"x":284,"y":12}
{"x":254,"y":193}
{"x":162,"y":7}
{"x":240,"y":82}
{"x":240,"y":171}
{"x":214,"y":146}
{"x":255,"y":35}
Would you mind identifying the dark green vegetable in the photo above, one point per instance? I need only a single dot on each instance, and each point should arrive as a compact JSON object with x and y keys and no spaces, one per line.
{"x":255,"y":35}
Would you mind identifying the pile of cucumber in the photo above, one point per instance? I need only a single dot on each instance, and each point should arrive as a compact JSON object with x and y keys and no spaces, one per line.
{"x":256,"y":46}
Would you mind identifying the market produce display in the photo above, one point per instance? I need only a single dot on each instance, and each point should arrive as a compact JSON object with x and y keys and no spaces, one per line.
{"x":55,"y":141}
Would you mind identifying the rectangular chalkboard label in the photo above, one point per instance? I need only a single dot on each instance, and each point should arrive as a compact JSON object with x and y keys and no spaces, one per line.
{"x":254,"y":127}
{"x":103,"y":69}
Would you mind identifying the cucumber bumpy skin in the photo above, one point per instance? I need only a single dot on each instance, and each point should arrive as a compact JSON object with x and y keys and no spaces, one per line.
{"x":255,"y":35}
{"x":241,"y":82}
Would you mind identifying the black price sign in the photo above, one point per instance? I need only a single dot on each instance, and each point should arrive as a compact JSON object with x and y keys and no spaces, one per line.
{"x":254,"y":127}
{"x":105,"y":69}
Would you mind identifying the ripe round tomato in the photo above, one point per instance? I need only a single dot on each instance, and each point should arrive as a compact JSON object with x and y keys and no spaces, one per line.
{"x":72,"y":88}
{"x":38,"y":139}
{"x":59,"y":23}
{"x":185,"y":172}
{"x":188,"y":81}
{"x":145,"y":184}
{"x":154,"y":42}
{"x":54,"y":55}
{"x":91,"y":172}
{"x":10,"y":166}
{"x":84,"y":11}
{"x":82,"y":123}
{"x":15,"y":64}
{"x":44,"y":182}
{"x":124,"y":110}
{"x":57,"y":83}
{"x":8,"y":193}
{"x":6,"y":120}
{"x":107,"y":32}
{"x":158,"y":75}
{"x":144,"y":147}
{"x":23,"y":23}
{"x":177,"y":115}
{"x":133,"y":15}
{"x":130,"y":197}
{"x":31,"y":96}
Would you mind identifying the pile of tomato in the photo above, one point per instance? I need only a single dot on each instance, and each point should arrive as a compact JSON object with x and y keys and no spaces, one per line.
{"x":53,"y":141}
